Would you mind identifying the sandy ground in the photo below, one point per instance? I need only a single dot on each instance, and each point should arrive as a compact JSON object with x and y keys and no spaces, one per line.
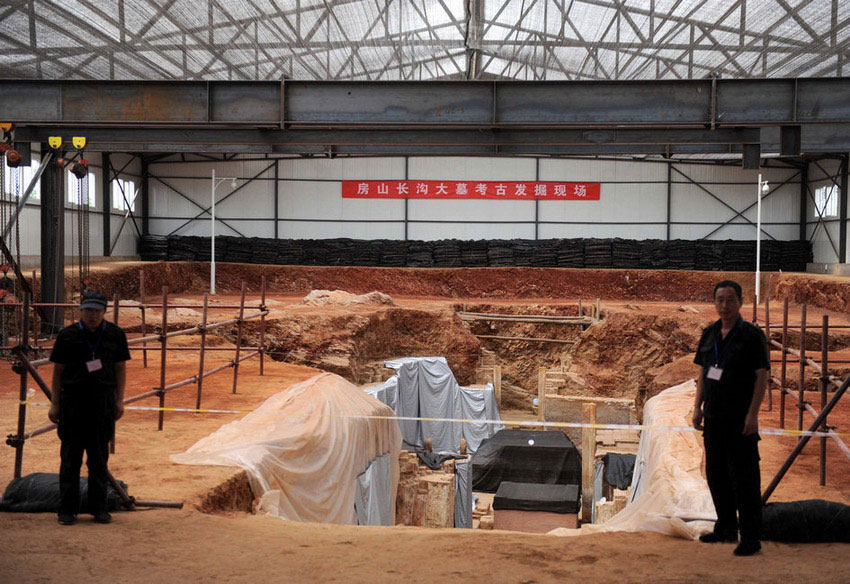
{"x":190,"y":546}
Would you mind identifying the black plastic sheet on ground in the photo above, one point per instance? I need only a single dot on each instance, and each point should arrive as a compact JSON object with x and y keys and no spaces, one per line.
{"x":810,"y":521}
{"x":39,"y":493}
{"x":525,"y":456}
{"x":728,"y":255}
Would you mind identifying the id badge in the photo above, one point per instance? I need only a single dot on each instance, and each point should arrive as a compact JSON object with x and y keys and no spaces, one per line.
{"x":94,"y":365}
{"x":714,"y":373}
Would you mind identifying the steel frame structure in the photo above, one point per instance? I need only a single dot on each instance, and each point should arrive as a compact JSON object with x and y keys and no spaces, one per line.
{"x":418,"y":39}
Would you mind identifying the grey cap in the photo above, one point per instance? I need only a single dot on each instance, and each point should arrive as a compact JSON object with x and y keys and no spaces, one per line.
{"x":94,"y":300}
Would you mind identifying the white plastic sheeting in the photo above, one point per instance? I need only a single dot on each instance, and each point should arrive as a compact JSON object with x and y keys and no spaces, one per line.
{"x":424,"y":387}
{"x":669,"y":492}
{"x":305,"y":451}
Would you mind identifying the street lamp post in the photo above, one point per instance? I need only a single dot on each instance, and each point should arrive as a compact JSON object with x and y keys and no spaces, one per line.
{"x":213,"y":187}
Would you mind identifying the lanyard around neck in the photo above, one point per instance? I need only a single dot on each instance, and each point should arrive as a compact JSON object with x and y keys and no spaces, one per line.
{"x":94,"y":347}
{"x":728,"y":341}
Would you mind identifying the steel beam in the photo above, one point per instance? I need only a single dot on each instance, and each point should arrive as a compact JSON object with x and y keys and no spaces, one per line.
{"x":666,"y":103}
{"x":842,"y":203}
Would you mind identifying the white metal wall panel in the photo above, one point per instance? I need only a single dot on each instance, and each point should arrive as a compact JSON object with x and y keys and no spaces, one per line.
{"x":344,"y":168}
{"x":323,"y":200}
{"x":579,"y":170}
{"x":470,"y":168}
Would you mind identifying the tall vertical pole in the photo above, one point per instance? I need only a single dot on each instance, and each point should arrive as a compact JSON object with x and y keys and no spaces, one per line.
{"x":145,"y":196}
{"x":276,"y":198}
{"x":804,"y":196}
{"x":669,"y":196}
{"x":824,"y":383}
{"x":536,"y":201}
{"x":164,"y":341}
{"x":758,"y":247}
{"x":53,"y":244}
{"x":144,"y":323}
{"x":842,"y":213}
{"x":238,"y":337}
{"x":588,"y":460}
{"x":203,"y":350}
{"x":22,"y":396}
{"x":784,"y":368}
{"x":801,"y":403}
{"x":262,"y":324}
{"x":212,"y":234}
{"x":406,"y":177}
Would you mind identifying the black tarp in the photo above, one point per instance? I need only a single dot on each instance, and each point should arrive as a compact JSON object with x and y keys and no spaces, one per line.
{"x":525,"y":456}
{"x":810,"y":521}
{"x":532,"y":497}
{"x":619,"y":469}
{"x":39,"y":492}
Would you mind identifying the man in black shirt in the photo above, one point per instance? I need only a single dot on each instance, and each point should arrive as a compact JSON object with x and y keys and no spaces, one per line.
{"x":89,"y":373}
{"x":735,"y":364}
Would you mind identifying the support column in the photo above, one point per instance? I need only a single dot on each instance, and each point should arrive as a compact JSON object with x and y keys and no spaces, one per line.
{"x":106,"y":197}
{"x":145,"y":195}
{"x":669,"y":195}
{"x":536,"y":201}
{"x":842,"y":226}
{"x":804,"y":207}
{"x":406,"y":177}
{"x":276,"y":198}
{"x":52,"y":244}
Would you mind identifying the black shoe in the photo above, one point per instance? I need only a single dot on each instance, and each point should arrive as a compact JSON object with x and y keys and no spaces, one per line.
{"x":747,"y":548}
{"x":67,"y":519}
{"x":712,"y":537}
{"x":102,"y":517}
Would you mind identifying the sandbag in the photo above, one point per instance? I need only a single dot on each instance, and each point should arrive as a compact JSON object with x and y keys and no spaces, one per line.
{"x":39,"y":493}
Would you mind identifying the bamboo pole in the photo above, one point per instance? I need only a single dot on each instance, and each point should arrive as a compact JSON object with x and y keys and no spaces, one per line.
{"x":802,"y":376}
{"x":238,"y":337}
{"x":262,"y":324}
{"x":162,"y":360}
{"x":824,"y":383}
{"x":144,"y":323}
{"x":588,"y":460}
{"x":767,"y":334}
{"x":22,"y":406}
{"x":203,"y":350}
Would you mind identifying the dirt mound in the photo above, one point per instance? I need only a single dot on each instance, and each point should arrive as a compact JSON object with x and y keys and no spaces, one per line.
{"x":354,"y":344}
{"x":829,"y":292}
{"x":343,"y":298}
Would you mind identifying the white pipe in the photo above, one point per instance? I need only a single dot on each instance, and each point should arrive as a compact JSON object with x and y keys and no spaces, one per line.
{"x":212,"y":234}
{"x":758,"y":243}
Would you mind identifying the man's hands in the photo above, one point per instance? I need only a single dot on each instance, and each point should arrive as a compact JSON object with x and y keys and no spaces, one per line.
{"x":697,"y":419}
{"x":53,"y":413}
{"x":751,"y":424}
{"x":119,"y":411}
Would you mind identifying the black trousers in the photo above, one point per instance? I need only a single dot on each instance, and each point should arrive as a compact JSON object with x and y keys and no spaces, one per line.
{"x":734,"y":479}
{"x":86,"y":424}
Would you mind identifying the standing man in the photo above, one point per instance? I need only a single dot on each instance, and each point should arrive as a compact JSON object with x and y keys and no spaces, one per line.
{"x":735,"y":363}
{"x":89,"y":372}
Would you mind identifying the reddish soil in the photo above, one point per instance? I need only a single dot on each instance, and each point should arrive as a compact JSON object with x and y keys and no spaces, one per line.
{"x":617,"y":353}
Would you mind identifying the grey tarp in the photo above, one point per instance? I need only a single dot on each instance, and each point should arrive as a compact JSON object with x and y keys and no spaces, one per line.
{"x":373,"y":500}
{"x":424,"y":387}
{"x":463,"y":493}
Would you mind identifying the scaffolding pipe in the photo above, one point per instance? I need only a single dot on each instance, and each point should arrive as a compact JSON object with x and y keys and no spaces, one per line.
{"x":238,"y":337}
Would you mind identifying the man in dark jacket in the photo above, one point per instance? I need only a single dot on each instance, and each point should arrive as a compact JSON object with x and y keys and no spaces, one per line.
{"x":735,"y":364}
{"x":89,"y":374}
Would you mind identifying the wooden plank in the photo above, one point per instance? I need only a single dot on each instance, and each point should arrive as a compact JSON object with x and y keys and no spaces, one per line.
{"x":588,"y":460}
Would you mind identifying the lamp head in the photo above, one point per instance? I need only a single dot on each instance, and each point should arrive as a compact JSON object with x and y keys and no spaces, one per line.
{"x":233,"y":183}
{"x":765,"y":188}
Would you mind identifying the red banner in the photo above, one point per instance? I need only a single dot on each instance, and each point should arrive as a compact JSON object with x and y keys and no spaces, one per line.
{"x":457,"y":189}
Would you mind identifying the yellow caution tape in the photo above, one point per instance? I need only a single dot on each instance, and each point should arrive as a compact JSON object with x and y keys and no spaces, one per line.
{"x":525,"y":423}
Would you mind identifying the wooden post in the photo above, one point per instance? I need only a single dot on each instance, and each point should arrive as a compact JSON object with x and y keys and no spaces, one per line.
{"x":115,"y":302}
{"x":755,"y":310}
{"x":801,"y":403}
{"x":824,"y":382}
{"x":36,"y":325}
{"x":597,"y":317}
{"x":784,"y":364}
{"x":262,"y":323}
{"x":588,"y":460}
{"x":22,"y":407}
{"x":769,"y":348}
{"x":541,"y":394}
{"x":144,"y":327}
{"x":238,"y":337}
{"x":497,"y":384}
{"x":580,"y":311}
{"x":203,"y":349}
{"x":164,"y":340}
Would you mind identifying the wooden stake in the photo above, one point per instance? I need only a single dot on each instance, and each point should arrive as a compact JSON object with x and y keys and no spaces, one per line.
{"x":588,"y":460}
{"x":144,"y":327}
{"x":597,"y":309}
{"x":782,"y":379}
{"x":238,"y":337}
{"x":824,"y":383}
{"x":580,"y":311}
{"x":115,"y":313}
{"x":203,"y":350}
{"x":767,"y":334}
{"x":802,"y":377}
{"x":541,"y":394}
{"x":497,"y":384}
{"x":164,"y":340}
{"x":262,"y":324}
